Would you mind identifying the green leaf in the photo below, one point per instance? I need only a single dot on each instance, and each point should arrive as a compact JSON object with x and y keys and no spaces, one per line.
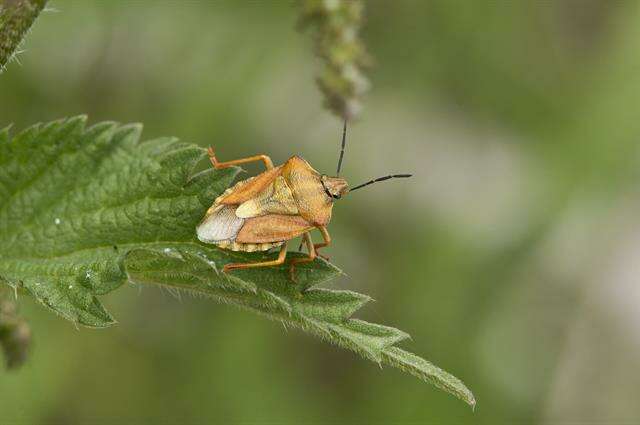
{"x":85,"y":209}
{"x":76,"y":200}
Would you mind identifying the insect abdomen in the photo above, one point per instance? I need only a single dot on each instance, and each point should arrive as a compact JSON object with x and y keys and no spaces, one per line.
{"x":247,"y":247}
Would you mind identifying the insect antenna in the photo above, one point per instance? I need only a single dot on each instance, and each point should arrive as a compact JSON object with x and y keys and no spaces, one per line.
{"x":344,"y":134}
{"x":379,"y":179}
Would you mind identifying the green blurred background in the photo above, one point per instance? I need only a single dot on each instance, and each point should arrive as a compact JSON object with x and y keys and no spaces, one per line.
{"x":512,"y":257}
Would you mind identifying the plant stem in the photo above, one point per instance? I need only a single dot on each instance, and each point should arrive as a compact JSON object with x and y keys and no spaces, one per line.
{"x":337,"y":43}
{"x":15,"y":335}
{"x":16,"y":17}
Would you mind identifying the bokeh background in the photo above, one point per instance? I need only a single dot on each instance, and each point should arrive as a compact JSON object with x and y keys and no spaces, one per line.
{"x":512,"y":256}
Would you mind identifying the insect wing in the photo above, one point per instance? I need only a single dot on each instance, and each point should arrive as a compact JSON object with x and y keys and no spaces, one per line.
{"x":276,"y":198}
{"x":272,"y":228}
{"x":221,"y":223}
{"x":245,"y":190}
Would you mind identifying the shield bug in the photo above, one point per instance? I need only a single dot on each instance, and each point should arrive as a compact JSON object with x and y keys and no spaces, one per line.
{"x":270,"y":209}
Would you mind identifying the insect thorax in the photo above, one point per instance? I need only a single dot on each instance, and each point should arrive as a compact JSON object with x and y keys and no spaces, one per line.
{"x":313,"y":203}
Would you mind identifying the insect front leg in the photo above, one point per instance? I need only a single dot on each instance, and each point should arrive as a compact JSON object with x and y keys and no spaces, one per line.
{"x":276,"y":262}
{"x":218,"y":165}
{"x":327,"y":241}
{"x":306,"y":238}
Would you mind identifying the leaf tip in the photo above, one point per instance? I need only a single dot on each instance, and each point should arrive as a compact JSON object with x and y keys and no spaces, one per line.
{"x":4,"y":132}
{"x":103,"y":323}
{"x":132,"y":129}
{"x":79,"y":117}
{"x":127,"y":135}
{"x":75,"y":121}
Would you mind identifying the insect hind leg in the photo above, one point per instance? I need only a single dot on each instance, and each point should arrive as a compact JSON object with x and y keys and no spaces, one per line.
{"x":326,"y":241}
{"x":219,"y":165}
{"x":306,"y":238}
{"x":280,"y":260}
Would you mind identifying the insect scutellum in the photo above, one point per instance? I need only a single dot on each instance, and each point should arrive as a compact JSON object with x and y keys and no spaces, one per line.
{"x":336,"y":187}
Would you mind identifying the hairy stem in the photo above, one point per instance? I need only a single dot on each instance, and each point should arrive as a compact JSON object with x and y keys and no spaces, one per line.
{"x":15,"y":335}
{"x":337,"y":43}
{"x":16,"y":17}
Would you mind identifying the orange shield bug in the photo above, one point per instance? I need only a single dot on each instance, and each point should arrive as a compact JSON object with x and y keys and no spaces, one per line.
{"x":270,"y":209}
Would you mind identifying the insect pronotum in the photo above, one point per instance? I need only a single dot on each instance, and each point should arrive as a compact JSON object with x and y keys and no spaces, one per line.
{"x":278,"y":205}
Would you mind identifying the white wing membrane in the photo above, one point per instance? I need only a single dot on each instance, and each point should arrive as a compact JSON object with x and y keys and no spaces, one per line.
{"x":221,"y":225}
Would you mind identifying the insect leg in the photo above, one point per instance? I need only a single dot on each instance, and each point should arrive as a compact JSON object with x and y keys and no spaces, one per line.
{"x":277,"y":261}
{"x":327,"y":240}
{"x":312,"y":255}
{"x":302,"y":242}
{"x":218,"y":165}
